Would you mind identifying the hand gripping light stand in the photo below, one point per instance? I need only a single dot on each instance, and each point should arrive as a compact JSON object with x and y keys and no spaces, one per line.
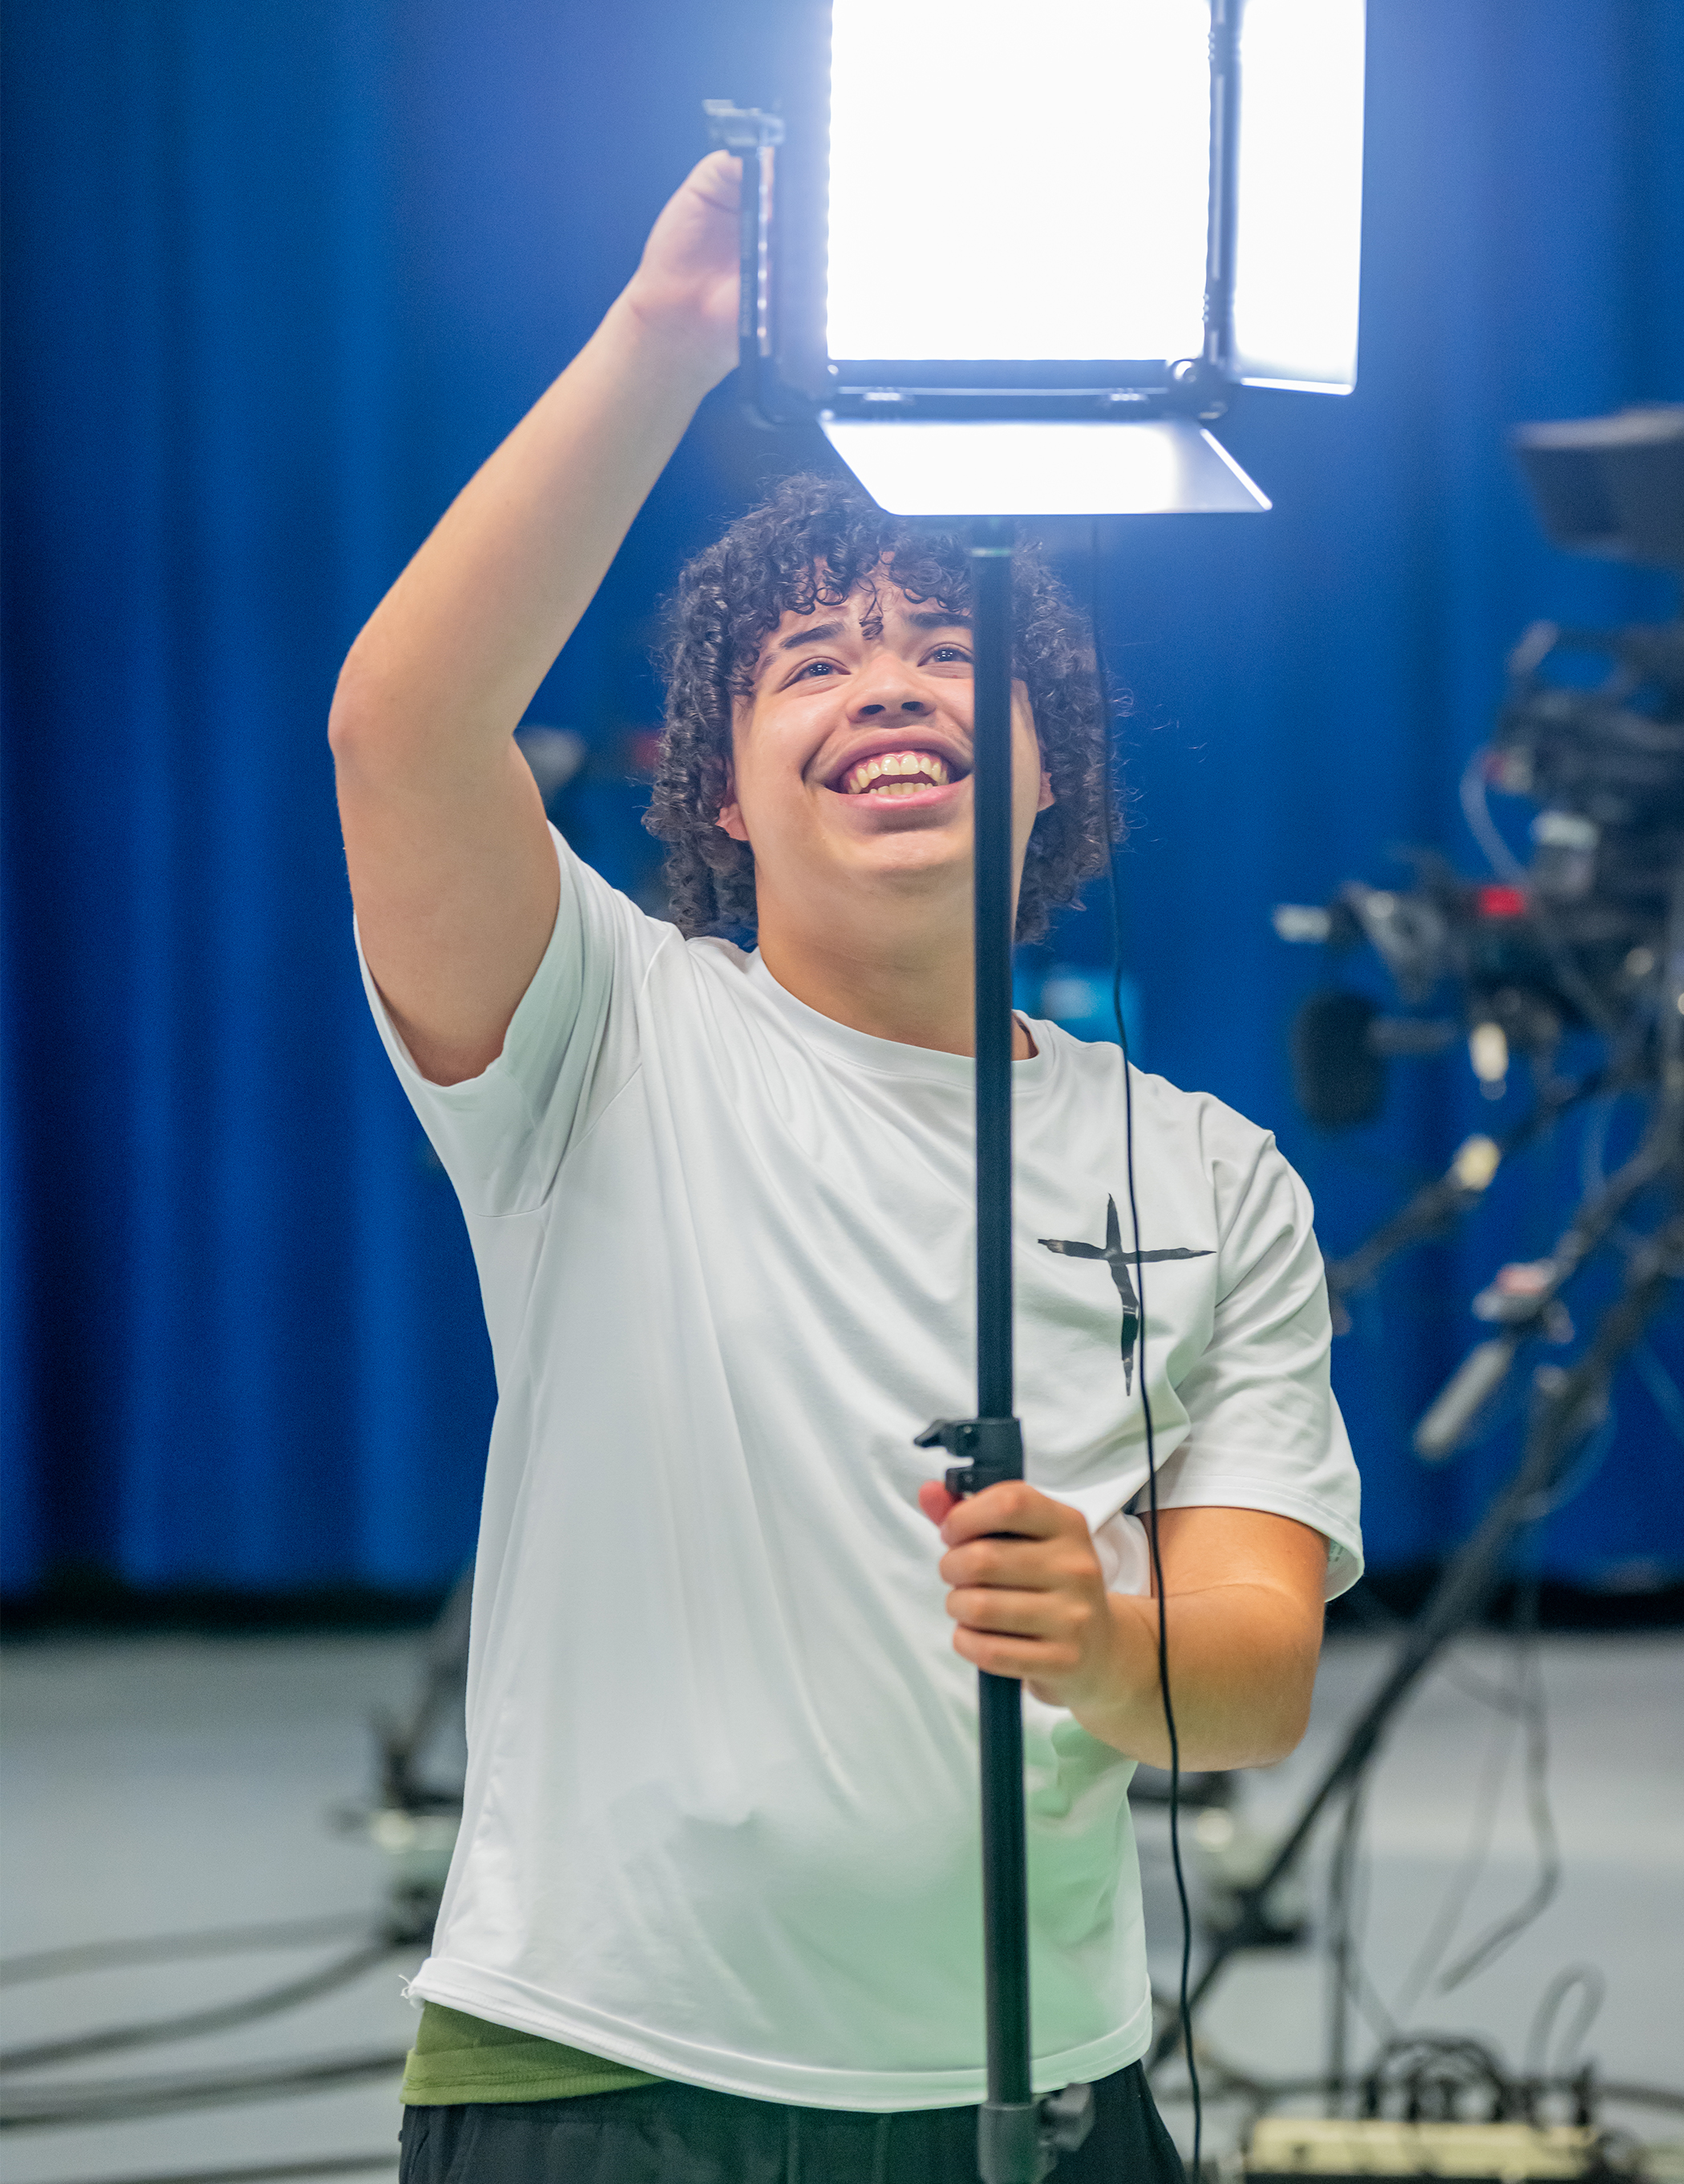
{"x":956,"y":447}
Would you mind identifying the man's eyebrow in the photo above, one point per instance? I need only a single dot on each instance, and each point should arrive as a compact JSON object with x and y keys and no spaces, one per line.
{"x":824,"y":633}
{"x":821,"y":633}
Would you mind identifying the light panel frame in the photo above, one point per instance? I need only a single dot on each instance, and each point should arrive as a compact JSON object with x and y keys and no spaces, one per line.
{"x":1289,"y":162}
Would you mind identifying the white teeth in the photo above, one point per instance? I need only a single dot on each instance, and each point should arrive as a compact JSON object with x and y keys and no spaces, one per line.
{"x":886,"y":775}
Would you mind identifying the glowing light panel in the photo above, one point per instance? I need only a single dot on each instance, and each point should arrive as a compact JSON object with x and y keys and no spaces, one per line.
{"x":1300,"y":174}
{"x":1166,"y":467}
{"x":1018,"y":182}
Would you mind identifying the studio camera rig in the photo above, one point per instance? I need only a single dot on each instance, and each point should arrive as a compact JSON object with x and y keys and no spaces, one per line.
{"x":1586,"y":935}
{"x":1583,"y":936}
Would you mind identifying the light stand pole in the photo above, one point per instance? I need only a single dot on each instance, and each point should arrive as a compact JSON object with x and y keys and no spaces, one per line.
{"x":1018,"y":2139}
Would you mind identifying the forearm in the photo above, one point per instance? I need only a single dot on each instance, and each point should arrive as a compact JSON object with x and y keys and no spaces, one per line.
{"x":452,"y":868}
{"x":1242,"y":1663}
{"x":450,"y":658}
{"x":1244,"y":1592}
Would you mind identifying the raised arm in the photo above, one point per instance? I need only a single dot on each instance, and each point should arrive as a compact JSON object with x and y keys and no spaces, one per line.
{"x":451,"y":866}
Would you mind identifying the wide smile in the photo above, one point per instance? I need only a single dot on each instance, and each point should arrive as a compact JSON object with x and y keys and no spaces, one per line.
{"x":910,"y":776}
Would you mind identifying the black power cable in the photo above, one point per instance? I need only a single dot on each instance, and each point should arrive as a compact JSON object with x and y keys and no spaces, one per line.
{"x":268,"y":2172}
{"x":1102,"y":675}
{"x":1505,"y":1706}
{"x":115,"y":2100}
{"x":1348,"y":1983}
{"x":1535,"y":1712}
{"x":178,"y":1948}
{"x":1157,"y":1578}
{"x":221,"y":2018}
{"x":1592,"y":1986}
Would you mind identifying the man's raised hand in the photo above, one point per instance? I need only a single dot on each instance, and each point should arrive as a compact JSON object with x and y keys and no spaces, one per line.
{"x":685,"y":288}
{"x":451,"y":862}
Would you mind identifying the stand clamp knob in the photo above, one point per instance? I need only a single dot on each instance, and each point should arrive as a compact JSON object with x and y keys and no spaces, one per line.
{"x":1020,"y":2144}
{"x":993,"y":1449}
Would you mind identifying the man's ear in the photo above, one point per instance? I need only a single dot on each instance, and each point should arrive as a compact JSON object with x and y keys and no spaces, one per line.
{"x":1020,"y":699}
{"x":730,"y":811}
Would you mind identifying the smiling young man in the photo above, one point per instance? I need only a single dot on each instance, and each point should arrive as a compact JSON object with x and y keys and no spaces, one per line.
{"x":714,"y":1910}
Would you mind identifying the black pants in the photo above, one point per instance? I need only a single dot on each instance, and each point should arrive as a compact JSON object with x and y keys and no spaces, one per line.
{"x":673,"y":2134}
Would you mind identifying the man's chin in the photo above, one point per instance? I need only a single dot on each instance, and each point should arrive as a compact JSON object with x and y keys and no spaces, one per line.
{"x":925,"y":856}
{"x":831,"y":877}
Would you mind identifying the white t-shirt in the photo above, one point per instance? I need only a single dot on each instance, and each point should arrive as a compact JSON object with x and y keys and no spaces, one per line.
{"x":720,"y":1816}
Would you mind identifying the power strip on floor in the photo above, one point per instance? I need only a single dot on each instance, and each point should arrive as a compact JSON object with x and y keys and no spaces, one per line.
{"x":1345,"y":2150}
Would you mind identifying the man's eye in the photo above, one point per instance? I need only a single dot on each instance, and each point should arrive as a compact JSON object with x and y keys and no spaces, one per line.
{"x":814,"y":667}
{"x":944,"y":652}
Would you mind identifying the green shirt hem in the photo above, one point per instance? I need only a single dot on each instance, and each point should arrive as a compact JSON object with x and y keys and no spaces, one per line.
{"x":457,"y":2058}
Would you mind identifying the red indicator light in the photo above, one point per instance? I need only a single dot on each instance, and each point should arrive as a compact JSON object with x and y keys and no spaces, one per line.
{"x":1500,"y":901}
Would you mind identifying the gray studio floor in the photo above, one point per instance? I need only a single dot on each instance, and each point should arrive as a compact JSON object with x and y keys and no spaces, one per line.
{"x":159,"y":1785}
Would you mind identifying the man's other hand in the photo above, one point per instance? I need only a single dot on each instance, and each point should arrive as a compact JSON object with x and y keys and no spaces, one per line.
{"x":1243,"y":1600}
{"x":1027,"y":1593}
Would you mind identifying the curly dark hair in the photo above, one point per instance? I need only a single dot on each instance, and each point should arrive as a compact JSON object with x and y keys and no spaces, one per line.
{"x":812,"y":544}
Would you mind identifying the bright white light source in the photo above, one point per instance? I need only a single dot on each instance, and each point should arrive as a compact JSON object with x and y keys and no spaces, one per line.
{"x":1018,"y":182}
{"x":1165,"y":467}
{"x":1300,"y":193}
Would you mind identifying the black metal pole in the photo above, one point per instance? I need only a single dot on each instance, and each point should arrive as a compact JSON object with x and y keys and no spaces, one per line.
{"x":1005,"y":1887}
{"x":991,"y":574}
{"x":1019,"y":2138}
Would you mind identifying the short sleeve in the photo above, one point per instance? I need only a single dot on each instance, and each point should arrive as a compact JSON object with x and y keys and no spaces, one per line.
{"x":571,"y":1045}
{"x":1264,"y":1429}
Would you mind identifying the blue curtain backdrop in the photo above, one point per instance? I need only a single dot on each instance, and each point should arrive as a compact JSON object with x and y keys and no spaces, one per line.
{"x":277,"y":276}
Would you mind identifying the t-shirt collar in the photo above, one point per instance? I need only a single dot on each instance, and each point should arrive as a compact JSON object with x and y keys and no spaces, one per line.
{"x":888,"y":1057}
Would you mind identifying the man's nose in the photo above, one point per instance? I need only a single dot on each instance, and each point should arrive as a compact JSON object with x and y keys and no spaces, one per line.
{"x":886,"y":691}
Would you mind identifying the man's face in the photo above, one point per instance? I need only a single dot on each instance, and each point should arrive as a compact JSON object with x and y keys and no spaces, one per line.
{"x":852,"y":759}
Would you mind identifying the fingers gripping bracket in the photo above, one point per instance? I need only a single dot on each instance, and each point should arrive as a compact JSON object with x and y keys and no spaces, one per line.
{"x":754,"y":135}
{"x":741,"y":129}
{"x":993,"y":1449}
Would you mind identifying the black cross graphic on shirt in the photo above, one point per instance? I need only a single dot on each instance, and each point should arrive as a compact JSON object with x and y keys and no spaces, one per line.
{"x":1119,"y":1262}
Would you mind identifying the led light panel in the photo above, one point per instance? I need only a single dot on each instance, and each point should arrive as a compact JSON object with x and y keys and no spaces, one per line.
{"x":1300,"y":178}
{"x":1165,"y":467}
{"x":1018,"y":182}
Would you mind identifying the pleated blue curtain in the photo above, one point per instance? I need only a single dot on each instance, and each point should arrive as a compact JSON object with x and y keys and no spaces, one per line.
{"x":276,"y":277}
